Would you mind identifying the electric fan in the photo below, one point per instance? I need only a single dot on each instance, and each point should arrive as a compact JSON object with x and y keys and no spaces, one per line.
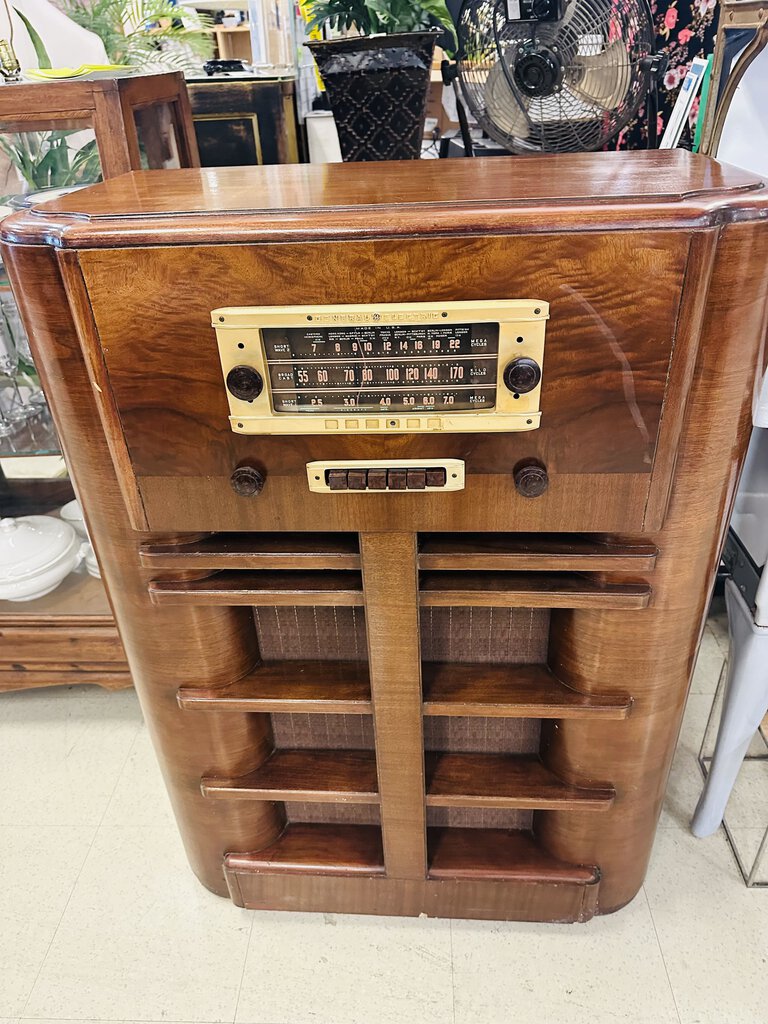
{"x":555,"y":76}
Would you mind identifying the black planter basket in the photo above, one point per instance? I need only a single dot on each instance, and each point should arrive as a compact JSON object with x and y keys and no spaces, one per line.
{"x":377,"y":87}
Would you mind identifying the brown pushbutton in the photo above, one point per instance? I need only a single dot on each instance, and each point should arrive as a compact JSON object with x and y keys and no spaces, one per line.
{"x":416,"y":479}
{"x":397,"y":479}
{"x":337,"y":479}
{"x":357,"y":479}
{"x":531,"y":479}
{"x":436,"y":478}
{"x":247,"y":481}
{"x":377,"y":479}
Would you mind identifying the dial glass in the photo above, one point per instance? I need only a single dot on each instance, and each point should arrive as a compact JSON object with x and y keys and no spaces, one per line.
{"x":383,"y":368}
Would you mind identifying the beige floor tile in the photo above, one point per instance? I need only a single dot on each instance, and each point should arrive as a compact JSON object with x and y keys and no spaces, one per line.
{"x":708,"y":664}
{"x":747,"y":841}
{"x":685,"y":779}
{"x":62,"y":756}
{"x":141,"y":939}
{"x":38,"y":868}
{"x":748,"y":804}
{"x":334,"y":969}
{"x":140,"y":798}
{"x":718,"y":622}
{"x":713,"y":931}
{"x":607,"y":971}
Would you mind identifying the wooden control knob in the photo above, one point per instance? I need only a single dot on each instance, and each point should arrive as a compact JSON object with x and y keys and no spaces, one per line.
{"x":245,"y":383}
{"x":531,"y":479}
{"x":522,"y":375}
{"x":247,"y":481}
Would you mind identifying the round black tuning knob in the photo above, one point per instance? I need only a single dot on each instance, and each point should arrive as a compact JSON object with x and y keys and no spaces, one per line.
{"x":522,"y":375}
{"x":531,"y":479}
{"x":247,"y":481}
{"x":245,"y":383}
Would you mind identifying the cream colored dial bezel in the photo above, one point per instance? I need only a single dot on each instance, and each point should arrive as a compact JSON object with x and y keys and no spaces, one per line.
{"x":238,"y":333}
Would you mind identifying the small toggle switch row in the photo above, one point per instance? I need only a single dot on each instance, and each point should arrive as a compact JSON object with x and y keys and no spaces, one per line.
{"x":385,"y":479}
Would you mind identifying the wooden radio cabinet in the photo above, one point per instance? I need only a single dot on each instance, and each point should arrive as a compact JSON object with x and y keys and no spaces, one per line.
{"x":392,"y":665}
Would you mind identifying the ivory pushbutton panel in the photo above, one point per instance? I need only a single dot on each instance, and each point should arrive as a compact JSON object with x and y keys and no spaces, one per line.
{"x":394,"y":475}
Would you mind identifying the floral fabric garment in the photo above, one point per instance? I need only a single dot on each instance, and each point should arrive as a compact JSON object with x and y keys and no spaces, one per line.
{"x":684,"y":30}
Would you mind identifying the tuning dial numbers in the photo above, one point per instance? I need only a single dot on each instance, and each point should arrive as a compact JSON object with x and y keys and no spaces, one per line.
{"x":522,"y":375}
{"x":245,"y":383}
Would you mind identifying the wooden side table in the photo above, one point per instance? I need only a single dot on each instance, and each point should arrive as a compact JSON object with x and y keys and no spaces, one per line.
{"x":127,"y":114}
{"x":140,"y":121}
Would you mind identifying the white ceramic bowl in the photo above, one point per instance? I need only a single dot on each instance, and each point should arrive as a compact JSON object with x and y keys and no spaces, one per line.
{"x":72,"y":513}
{"x":36,"y":554}
{"x":91,"y":565}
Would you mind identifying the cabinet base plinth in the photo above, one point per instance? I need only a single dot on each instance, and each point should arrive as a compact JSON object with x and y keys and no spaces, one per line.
{"x":332,"y":869}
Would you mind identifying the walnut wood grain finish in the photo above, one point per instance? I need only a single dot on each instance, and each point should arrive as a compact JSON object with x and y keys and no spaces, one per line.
{"x":616,"y":387}
{"x":338,"y":687}
{"x":635,"y":190}
{"x":263,"y":551}
{"x":213,"y":644}
{"x":261,"y":588}
{"x":495,"y":853}
{"x":35,"y":675}
{"x":501,"y":780}
{"x":499,"y":874}
{"x":512,"y":590}
{"x":319,"y":849}
{"x":657,"y":649}
{"x":293,"y":687}
{"x":517,"y":553}
{"x":319,"y":776}
{"x":392,"y":619}
{"x":511,"y":691}
{"x":645,"y":415}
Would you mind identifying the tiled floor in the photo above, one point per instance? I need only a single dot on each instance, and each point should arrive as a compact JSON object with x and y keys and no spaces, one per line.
{"x":100,"y":919}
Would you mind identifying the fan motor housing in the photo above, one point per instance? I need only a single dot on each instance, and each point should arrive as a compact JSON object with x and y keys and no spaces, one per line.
{"x":535,"y":10}
{"x":538,"y":70}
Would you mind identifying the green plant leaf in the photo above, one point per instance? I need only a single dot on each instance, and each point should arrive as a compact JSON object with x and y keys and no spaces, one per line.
{"x":372,"y":16}
{"x":43,"y":60}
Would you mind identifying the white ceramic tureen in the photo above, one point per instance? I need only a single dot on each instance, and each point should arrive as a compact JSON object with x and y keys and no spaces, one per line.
{"x":36,"y":554}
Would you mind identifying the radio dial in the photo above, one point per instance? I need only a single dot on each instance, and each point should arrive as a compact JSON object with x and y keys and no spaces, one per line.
{"x":245,"y":383}
{"x":522,"y":375}
{"x":247,"y":481}
{"x":531,"y":479}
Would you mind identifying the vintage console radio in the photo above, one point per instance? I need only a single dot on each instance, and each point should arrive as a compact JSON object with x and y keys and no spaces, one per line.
{"x":408,"y":483}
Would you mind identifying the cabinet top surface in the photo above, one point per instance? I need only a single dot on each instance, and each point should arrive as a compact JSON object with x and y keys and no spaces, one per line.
{"x":402,"y":194}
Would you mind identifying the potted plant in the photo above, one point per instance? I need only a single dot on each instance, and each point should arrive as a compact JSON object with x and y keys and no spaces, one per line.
{"x":377,"y":81}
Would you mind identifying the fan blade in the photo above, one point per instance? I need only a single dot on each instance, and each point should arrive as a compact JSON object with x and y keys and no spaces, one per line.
{"x":503,"y":106}
{"x":603,"y":78}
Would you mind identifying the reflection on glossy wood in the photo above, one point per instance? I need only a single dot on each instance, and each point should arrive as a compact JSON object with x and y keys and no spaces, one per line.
{"x":503,"y":780}
{"x":511,"y":691}
{"x":320,"y":776}
{"x":293,"y":687}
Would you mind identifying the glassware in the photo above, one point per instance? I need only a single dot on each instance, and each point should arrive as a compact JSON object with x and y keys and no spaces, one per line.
{"x":35,"y":401}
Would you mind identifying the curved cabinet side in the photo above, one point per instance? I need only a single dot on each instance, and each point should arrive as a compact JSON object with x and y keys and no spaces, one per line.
{"x":652,"y":653}
{"x":166,"y":647}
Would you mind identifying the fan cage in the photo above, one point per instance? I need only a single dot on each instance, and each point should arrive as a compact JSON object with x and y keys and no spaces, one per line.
{"x":603,"y":46}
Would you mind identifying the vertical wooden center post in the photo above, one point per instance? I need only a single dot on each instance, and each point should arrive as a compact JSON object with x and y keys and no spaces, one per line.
{"x":390,"y":580}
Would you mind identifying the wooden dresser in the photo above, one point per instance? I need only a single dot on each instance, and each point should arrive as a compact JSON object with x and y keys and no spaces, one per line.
{"x":409,"y":483}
